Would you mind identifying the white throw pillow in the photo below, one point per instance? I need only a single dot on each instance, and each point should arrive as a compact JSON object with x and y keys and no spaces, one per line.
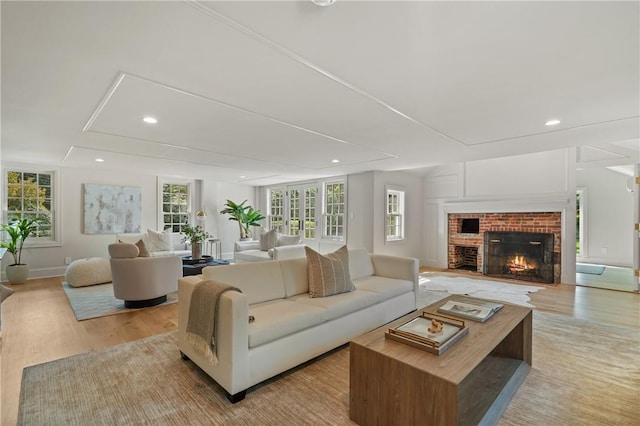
{"x":159,"y":241}
{"x":268,"y":240}
{"x":287,"y":240}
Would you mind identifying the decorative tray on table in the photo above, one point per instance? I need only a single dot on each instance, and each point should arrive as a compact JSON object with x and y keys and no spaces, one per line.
{"x":430,"y":332}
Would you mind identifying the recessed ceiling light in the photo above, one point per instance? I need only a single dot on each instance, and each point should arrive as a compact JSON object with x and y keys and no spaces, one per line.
{"x":552,"y":122}
{"x":99,"y":160}
{"x":242,"y":177}
{"x":150,"y":120}
{"x":335,"y":161}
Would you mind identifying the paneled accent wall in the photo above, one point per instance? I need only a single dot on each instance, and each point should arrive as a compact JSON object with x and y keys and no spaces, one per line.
{"x":460,"y":244}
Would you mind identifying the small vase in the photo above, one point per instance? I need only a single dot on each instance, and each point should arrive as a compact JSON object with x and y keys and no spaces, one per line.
{"x":17,"y":274}
{"x":196,"y":250}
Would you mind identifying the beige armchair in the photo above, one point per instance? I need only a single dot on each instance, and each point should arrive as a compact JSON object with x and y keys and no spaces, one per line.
{"x":142,"y":281}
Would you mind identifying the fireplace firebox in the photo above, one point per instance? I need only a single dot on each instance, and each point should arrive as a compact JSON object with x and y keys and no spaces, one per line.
{"x":519,"y":255}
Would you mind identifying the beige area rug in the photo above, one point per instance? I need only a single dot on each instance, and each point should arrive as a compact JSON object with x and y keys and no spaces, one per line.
{"x":583,"y":374}
{"x":97,"y":301}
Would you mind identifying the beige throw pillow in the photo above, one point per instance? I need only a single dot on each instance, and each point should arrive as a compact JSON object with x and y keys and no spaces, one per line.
{"x":268,"y":240}
{"x":328,"y":274}
{"x":142,"y":249}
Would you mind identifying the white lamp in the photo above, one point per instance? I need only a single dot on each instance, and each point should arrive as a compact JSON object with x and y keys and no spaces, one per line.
{"x":200,"y":217}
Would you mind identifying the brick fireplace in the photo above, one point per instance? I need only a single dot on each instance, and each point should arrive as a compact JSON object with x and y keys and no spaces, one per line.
{"x":466,"y":235}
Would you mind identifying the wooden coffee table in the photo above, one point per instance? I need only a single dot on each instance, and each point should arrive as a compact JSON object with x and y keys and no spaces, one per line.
{"x":392,"y":383}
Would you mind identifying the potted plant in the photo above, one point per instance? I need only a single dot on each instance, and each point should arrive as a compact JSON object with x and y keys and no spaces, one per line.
{"x":18,"y":230}
{"x":196,"y":236}
{"x":246,"y":216}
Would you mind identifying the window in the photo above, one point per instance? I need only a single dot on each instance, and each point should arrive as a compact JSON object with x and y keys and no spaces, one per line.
{"x":334,"y":210}
{"x":30,"y":195}
{"x":175,"y":205}
{"x":275,"y":217}
{"x":310,"y":213}
{"x":394,"y":219}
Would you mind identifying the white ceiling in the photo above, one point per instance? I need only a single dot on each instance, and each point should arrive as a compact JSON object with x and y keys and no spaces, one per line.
{"x":265,"y":92}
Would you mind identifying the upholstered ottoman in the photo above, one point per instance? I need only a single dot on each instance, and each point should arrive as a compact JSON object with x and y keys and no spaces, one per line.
{"x":84,"y":272}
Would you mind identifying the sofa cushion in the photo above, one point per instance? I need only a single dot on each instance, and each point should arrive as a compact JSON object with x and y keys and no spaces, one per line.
{"x":278,"y":318}
{"x":339,"y":305}
{"x":385,"y":288}
{"x":159,"y":241}
{"x":294,"y":275}
{"x":328,"y":274}
{"x":259,"y":281}
{"x":360,"y":264}
{"x":268,"y":240}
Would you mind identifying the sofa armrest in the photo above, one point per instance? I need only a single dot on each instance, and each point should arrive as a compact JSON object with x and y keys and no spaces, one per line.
{"x":403,"y":268}
{"x":246,"y":245}
{"x":232,"y":337}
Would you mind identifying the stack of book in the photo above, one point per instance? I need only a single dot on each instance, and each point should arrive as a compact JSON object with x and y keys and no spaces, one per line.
{"x":470,"y":308}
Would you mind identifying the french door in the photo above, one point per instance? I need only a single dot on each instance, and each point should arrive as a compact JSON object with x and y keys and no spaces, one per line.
{"x":302,"y":211}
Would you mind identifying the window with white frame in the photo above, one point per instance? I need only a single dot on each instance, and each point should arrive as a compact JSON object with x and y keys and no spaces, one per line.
{"x":275,"y":217}
{"x":30,"y":196}
{"x":175,"y":205}
{"x":394,"y":219}
{"x":334,"y":210}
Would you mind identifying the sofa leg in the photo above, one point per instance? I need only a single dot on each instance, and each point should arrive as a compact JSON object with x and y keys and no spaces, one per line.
{"x":132,"y":304}
{"x":183,"y":356}
{"x":237,"y":397}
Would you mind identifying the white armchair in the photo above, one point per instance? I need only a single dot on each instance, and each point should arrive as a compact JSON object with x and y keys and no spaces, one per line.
{"x":142,"y":281}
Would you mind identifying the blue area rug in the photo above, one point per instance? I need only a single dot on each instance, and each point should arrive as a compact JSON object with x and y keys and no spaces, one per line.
{"x":97,"y":301}
{"x":584,"y":268}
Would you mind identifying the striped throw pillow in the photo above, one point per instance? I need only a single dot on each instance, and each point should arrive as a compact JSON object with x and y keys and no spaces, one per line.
{"x":328,"y":274}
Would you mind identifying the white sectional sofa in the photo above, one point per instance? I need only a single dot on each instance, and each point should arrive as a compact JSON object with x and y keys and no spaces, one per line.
{"x":249,"y":251}
{"x":290,"y":327}
{"x":167,"y":244}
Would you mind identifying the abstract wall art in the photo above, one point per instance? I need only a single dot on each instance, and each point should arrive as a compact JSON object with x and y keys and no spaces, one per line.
{"x":110,"y":209}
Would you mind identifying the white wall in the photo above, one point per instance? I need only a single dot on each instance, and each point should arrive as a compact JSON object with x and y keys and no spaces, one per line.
{"x":50,"y":261}
{"x":228,"y":230}
{"x":360,"y":190}
{"x":535,"y":182}
{"x":412,"y":245}
{"x":608,"y":217}
{"x":366,"y":211}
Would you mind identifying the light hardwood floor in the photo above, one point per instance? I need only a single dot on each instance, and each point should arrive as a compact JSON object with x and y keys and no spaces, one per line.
{"x":39,"y":326}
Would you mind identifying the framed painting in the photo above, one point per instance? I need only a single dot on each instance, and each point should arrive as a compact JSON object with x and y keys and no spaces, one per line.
{"x":110,"y":209}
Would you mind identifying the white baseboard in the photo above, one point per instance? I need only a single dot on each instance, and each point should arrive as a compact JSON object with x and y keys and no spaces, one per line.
{"x":35,"y":273}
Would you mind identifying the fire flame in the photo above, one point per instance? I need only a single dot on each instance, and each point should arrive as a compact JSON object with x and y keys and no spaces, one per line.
{"x":519,"y":264}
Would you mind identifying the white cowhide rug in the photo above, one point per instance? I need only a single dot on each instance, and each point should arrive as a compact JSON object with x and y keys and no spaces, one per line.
{"x":434,"y":288}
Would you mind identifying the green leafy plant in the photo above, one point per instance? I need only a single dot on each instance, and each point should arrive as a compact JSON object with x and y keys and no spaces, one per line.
{"x":194,"y":234}
{"x":246,"y":216}
{"x":18,"y":230}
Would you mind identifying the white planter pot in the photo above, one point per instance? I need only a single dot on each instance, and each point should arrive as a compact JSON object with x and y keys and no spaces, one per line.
{"x":17,"y":274}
